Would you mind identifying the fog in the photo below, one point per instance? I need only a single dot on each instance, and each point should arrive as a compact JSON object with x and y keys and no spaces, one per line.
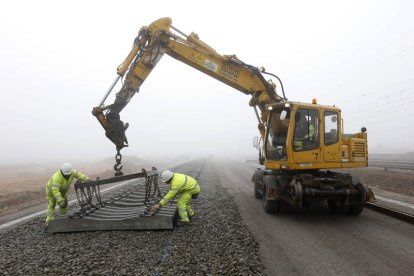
{"x":59,"y":58}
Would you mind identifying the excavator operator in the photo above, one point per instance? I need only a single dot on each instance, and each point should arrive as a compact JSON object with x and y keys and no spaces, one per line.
{"x":305,"y":132}
{"x":186,"y":187}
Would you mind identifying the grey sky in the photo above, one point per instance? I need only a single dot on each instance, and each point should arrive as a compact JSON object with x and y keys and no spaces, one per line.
{"x":59,"y":58}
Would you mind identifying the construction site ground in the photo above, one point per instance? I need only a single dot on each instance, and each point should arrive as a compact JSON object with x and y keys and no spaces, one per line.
{"x":231,"y":235}
{"x":23,"y":186}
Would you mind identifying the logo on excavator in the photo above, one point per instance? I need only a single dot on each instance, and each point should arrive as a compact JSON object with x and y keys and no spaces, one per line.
{"x":229,"y":71}
{"x":210,"y":65}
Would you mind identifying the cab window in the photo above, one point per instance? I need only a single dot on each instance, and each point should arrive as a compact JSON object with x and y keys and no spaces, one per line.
{"x":306,"y":130}
{"x":277,"y":134}
{"x":331,"y":127}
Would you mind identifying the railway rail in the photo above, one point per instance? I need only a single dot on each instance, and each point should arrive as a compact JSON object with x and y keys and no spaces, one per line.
{"x":392,"y":164}
{"x":391,"y":212}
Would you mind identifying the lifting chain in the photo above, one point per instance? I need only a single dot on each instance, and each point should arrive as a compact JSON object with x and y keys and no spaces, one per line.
{"x":118,"y":165}
{"x":80,"y":199}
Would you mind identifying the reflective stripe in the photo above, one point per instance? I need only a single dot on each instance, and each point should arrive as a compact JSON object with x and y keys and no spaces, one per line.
{"x":56,"y":186}
{"x":195,"y":186}
{"x":185,"y":182}
{"x":182,"y":211}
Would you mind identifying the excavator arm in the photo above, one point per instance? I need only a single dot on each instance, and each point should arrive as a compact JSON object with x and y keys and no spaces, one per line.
{"x":158,"y":39}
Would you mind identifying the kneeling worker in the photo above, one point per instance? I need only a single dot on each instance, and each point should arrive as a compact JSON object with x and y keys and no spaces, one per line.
{"x":57,"y":189}
{"x":187,"y":188}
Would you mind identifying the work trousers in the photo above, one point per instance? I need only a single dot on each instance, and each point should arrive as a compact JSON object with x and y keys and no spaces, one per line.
{"x":183,"y":203}
{"x":51,"y":203}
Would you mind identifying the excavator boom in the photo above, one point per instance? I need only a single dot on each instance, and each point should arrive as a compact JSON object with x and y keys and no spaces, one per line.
{"x":158,"y":39}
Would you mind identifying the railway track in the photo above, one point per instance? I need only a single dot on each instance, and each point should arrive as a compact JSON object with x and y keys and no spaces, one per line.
{"x":391,"y":212}
{"x":215,"y":243}
{"x":392,"y":164}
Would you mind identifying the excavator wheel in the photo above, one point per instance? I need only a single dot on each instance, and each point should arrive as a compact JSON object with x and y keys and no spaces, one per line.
{"x":358,"y":206}
{"x":255,"y":179}
{"x":270,"y":206}
{"x":337,"y":207}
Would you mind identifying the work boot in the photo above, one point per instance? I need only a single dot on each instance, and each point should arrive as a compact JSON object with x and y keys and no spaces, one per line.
{"x":190,"y":213}
{"x":49,"y":218}
{"x":183,"y":224}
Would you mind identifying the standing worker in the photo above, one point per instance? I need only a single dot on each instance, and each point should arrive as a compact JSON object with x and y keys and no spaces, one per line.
{"x":187,"y":188}
{"x":57,"y":189}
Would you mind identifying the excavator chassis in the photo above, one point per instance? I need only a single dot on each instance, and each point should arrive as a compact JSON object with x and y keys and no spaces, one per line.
{"x":127,"y":209}
{"x":343,"y":193}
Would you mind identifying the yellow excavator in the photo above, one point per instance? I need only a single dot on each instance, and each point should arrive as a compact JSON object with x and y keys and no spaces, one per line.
{"x":299,"y":144}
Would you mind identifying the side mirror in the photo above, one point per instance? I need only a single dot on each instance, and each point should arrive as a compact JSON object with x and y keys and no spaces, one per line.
{"x":283,"y":115}
{"x":256,"y":142}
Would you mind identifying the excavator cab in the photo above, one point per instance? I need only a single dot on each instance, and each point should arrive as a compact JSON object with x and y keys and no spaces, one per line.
{"x":277,"y":132}
{"x":303,"y":143}
{"x":301,"y":136}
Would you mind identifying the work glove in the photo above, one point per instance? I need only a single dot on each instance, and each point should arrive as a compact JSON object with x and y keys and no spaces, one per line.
{"x":155,"y":208}
{"x":63,"y":204}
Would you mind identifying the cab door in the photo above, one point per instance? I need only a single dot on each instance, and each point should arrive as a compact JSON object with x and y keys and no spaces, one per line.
{"x":306,"y":137}
{"x":331,"y":126}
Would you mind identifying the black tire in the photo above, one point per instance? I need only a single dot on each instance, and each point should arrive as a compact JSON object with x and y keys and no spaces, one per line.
{"x":337,"y":207}
{"x":257,"y":193}
{"x":257,"y":187}
{"x":270,"y":206}
{"x":358,"y":206}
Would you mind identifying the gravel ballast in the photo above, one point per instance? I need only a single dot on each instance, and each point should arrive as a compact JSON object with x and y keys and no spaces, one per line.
{"x":216,"y":242}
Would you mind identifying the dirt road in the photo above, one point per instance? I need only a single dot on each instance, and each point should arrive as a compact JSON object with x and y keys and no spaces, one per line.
{"x":315,"y":242}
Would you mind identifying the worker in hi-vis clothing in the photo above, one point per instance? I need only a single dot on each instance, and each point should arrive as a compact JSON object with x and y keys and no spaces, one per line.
{"x":186,"y":187}
{"x":57,"y":189}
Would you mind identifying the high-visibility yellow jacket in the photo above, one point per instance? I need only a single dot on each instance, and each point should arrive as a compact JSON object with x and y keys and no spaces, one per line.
{"x":311,"y":135}
{"x":179,"y":184}
{"x":311,"y":132}
{"x":58,"y":186}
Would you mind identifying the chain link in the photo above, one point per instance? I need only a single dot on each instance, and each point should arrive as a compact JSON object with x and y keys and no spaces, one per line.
{"x":79,"y":198}
{"x":89,"y":198}
{"x":118,"y":166}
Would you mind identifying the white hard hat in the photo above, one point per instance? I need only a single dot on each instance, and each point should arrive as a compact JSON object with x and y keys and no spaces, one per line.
{"x":166,"y":175}
{"x":66,"y":168}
